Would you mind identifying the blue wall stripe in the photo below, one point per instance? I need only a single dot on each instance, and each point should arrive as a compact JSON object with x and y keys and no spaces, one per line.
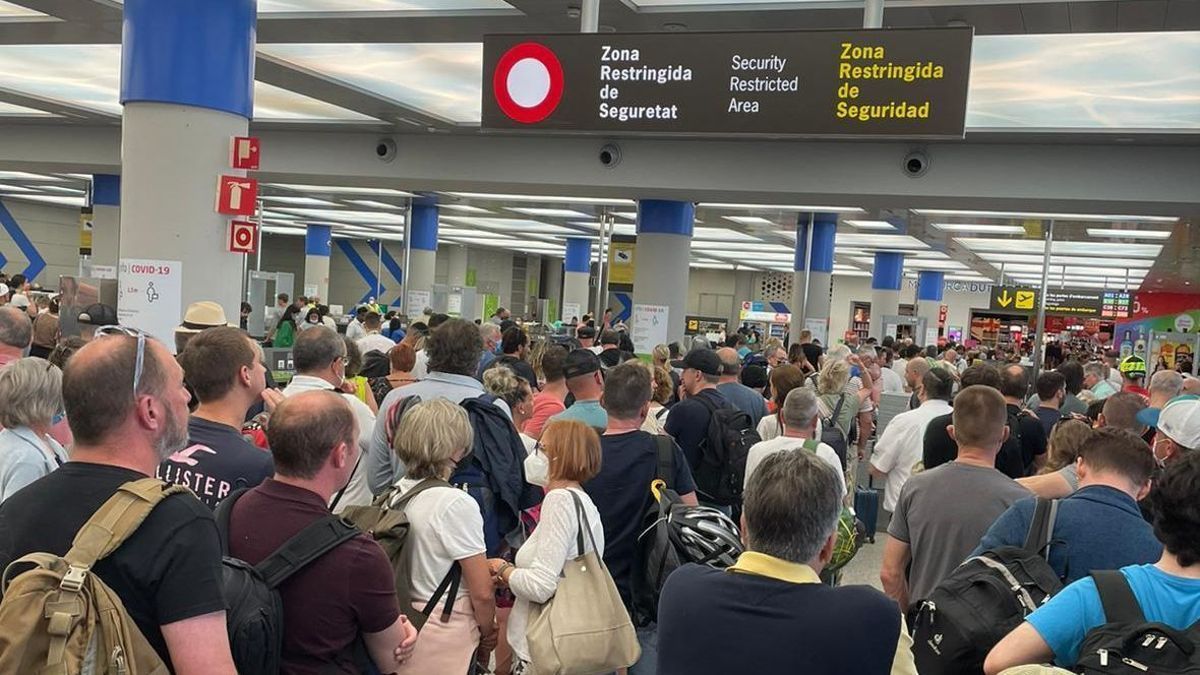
{"x":364,"y":270}
{"x":578,"y":255}
{"x":36,"y":262}
{"x":824,"y":232}
{"x":888,"y":272}
{"x":662,"y":216}
{"x":389,"y":263}
{"x":424,"y":227}
{"x":191,"y":52}
{"x":626,"y":310}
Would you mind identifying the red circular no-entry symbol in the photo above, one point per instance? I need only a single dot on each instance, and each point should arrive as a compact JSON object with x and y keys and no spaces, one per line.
{"x":528,"y":83}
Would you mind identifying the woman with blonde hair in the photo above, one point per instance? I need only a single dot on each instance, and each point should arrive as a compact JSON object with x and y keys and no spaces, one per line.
{"x":661,"y":356}
{"x":445,"y":540}
{"x":661,"y":390}
{"x":504,"y":383}
{"x":568,"y":455}
{"x":30,"y":397}
{"x":833,"y":380}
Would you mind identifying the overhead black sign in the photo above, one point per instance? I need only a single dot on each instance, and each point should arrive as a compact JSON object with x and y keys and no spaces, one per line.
{"x":1089,"y":303}
{"x":908,"y":82}
{"x":1016,"y":299}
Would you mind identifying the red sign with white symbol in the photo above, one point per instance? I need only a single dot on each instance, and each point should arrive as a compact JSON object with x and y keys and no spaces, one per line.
{"x":528,"y":82}
{"x":243,"y":236}
{"x":245,"y":153}
{"x":236,"y":195}
{"x":942,"y":315}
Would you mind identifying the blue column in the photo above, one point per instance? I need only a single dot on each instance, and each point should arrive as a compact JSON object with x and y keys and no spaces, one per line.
{"x":819,"y":280}
{"x":423,"y":231}
{"x":661,"y":262}
{"x":930,"y":284}
{"x":425,"y":227}
{"x":886,"y":279}
{"x":106,"y":219}
{"x":579,"y":255}
{"x":187,"y":87}
{"x":577,"y":270}
{"x":318,"y":240}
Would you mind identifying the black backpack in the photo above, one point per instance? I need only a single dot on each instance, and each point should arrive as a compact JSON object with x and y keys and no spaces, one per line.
{"x":832,"y":435}
{"x":722,"y":470}
{"x":657,"y":556}
{"x":1130,"y":644}
{"x":253,"y":608}
{"x":984,"y":599}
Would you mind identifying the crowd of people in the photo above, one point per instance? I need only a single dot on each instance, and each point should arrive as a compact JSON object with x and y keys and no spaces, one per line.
{"x":473,"y":466}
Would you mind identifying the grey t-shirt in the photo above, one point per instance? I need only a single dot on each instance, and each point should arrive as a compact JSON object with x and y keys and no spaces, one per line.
{"x":943,"y":513}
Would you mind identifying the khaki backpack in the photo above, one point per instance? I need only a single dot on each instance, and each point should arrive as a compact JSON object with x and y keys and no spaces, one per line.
{"x":388,"y":524}
{"x":57,"y":618}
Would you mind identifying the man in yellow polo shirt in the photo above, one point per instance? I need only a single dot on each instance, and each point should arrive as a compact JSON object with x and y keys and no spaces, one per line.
{"x":769,"y":613}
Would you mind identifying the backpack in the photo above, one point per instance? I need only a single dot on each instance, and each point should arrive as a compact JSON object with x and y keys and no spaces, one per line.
{"x":1130,"y":644}
{"x":389,"y":526}
{"x":722,"y":470}
{"x":984,"y":599}
{"x":850,"y":530}
{"x":254,"y":610}
{"x":58,"y":617}
{"x":832,"y":435}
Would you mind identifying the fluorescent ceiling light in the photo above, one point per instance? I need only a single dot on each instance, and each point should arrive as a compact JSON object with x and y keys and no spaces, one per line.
{"x":487,"y":196}
{"x":516,"y":225}
{"x":1045,"y":216}
{"x":695,"y":264}
{"x":24,"y":175}
{"x":780,"y":207}
{"x":341,"y":189}
{"x":548,"y":213}
{"x":15,"y":188}
{"x":389,"y":6}
{"x":979,"y":228}
{"x":881,"y":225}
{"x":372,"y":204}
{"x":1094,"y":261}
{"x":925,"y":264}
{"x":1085,"y":248}
{"x":61,"y":189}
{"x":297,"y":201}
{"x":51,"y":199}
{"x":618,"y":228}
{"x":352,"y":217}
{"x":879,"y":241}
{"x":849,"y":273}
{"x":722,"y":234}
{"x":1082,"y":271}
{"x":745,"y":246}
{"x":1128,"y":234}
{"x":462,"y":208}
{"x":967,"y":277}
{"x":751,"y":220}
{"x":272,"y":229}
{"x":628,"y":215}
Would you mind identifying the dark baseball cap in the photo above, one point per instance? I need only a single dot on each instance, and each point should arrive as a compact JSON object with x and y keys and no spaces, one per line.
{"x":581,"y":362}
{"x":98,"y":315}
{"x":703,"y":360}
{"x":754,"y":376}
{"x":586,"y":332}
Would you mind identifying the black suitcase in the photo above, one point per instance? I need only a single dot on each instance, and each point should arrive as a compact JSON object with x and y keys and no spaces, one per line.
{"x":866,"y":508}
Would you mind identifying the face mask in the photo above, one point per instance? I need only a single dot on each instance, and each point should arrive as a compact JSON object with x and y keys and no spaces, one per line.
{"x":537,"y":468}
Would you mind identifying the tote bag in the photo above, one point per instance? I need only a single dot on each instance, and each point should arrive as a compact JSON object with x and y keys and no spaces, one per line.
{"x":584,"y":629}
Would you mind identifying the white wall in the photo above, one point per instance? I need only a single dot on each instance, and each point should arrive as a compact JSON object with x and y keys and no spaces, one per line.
{"x":53,"y":231}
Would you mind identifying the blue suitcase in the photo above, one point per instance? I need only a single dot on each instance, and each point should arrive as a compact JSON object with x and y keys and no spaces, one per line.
{"x":866,"y":508}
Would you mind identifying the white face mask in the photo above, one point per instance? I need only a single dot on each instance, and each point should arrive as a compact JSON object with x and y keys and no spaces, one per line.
{"x":537,"y":468}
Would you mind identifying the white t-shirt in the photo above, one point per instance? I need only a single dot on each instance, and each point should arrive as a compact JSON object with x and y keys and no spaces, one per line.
{"x":900,"y":449}
{"x":769,"y":427}
{"x":374,"y":342}
{"x":760,"y":451}
{"x":541,"y":559}
{"x":355,"y":330}
{"x":421,"y":366}
{"x":892,"y":383}
{"x":446,"y":526}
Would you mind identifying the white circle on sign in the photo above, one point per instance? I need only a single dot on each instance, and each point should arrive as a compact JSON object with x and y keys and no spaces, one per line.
{"x":528,"y":82}
{"x":1184,"y":323}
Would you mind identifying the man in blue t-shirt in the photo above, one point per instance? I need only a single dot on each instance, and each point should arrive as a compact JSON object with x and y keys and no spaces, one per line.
{"x":1168,"y":591}
{"x":585,"y":381}
{"x":621,"y":491}
{"x":1099,"y":527}
{"x":224,"y":369}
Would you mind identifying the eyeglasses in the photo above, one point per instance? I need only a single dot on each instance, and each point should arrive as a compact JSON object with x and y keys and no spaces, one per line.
{"x":126,"y":331}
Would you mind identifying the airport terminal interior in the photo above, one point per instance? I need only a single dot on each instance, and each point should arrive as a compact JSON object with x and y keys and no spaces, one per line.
{"x":1015,"y":180}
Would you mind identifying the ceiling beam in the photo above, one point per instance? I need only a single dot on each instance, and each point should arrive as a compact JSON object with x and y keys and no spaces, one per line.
{"x":57,"y":107}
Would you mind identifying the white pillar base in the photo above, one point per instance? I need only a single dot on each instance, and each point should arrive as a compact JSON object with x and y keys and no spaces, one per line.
{"x":575,"y":293}
{"x":457,"y":257}
{"x":316,"y":273}
{"x":106,"y":235}
{"x":883,"y":302}
{"x":662,"y":278}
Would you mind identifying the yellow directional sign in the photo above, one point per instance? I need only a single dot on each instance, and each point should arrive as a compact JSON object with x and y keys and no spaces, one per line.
{"x":1014,"y":298}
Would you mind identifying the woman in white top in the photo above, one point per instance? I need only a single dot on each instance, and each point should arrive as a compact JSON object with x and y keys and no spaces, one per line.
{"x":570,"y":451}
{"x":784,"y":378}
{"x":661,"y":386}
{"x":30,"y":397}
{"x":447,"y":529}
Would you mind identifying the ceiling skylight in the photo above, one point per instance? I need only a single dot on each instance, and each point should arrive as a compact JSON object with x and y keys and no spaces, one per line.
{"x":1128,"y":234}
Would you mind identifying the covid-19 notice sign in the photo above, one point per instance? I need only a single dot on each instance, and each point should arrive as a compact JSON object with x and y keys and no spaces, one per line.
{"x":901,"y":83}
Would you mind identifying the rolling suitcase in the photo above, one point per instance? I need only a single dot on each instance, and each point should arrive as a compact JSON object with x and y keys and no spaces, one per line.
{"x":866,"y":508}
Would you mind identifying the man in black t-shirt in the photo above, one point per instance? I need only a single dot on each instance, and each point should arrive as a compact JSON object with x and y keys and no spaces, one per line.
{"x":688,"y":421}
{"x":225,"y":371}
{"x":611,"y":354}
{"x":127,"y":406}
{"x":514,"y":344}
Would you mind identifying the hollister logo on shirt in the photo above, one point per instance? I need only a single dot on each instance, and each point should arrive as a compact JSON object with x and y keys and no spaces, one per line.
{"x":210,"y":490}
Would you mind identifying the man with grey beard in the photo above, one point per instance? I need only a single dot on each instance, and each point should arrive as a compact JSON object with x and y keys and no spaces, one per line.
{"x":128,"y":409}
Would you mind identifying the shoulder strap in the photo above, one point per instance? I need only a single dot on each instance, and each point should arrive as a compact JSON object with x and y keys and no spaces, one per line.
{"x":584,"y":525}
{"x":712,"y":407}
{"x":837,"y":411}
{"x":666,"y":459}
{"x":810,"y":444}
{"x":304,"y":547}
{"x":117,"y":519}
{"x":341,"y":493}
{"x":394,"y":414}
{"x":1041,"y":526}
{"x":223,"y":513}
{"x":1120,"y":605}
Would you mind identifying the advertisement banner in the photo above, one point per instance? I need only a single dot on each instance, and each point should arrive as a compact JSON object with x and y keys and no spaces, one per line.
{"x":621,"y":253}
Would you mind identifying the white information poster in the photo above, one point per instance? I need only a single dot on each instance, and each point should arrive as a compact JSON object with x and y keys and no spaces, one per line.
{"x":454,"y":304}
{"x":931,"y":336}
{"x":649,"y":327}
{"x":819,"y":329}
{"x":150,"y":297}
{"x":571,"y":309}
{"x":416,"y":303}
{"x":310,"y":290}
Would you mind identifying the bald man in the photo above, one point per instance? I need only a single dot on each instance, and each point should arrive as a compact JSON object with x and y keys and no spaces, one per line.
{"x":128,"y":409}
{"x":742,"y":397}
{"x":16,"y":334}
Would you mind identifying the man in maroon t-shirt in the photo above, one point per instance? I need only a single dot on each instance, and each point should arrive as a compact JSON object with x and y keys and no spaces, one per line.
{"x":346,"y":592}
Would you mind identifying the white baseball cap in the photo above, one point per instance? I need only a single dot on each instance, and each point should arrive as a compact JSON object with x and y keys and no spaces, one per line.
{"x":1180,"y":421}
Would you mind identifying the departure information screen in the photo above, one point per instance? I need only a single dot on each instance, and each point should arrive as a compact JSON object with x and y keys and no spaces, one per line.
{"x":900,"y":83}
